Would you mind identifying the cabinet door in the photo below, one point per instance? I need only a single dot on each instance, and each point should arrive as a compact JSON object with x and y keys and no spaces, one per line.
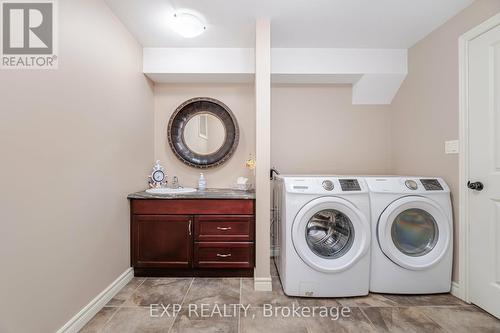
{"x":162,"y":241}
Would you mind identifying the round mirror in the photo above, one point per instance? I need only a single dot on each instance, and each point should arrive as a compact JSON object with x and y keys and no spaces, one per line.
{"x":203,"y":132}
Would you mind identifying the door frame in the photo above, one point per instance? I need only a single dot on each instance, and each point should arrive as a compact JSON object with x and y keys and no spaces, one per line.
{"x":461,"y":289}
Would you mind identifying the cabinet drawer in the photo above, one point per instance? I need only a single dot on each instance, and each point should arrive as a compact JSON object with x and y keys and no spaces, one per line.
{"x":226,"y":228}
{"x":224,"y":255}
{"x":192,"y":206}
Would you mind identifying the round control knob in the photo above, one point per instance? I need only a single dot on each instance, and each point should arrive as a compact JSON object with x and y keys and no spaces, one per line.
{"x":328,"y":185}
{"x":411,"y":184}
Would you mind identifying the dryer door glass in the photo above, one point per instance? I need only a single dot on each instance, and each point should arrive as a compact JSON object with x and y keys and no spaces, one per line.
{"x":414,"y":232}
{"x":329,"y":234}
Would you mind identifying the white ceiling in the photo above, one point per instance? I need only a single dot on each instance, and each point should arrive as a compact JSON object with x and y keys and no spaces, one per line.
{"x":295,"y":23}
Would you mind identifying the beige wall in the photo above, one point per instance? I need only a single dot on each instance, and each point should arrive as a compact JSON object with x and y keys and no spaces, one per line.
{"x":238,"y":97}
{"x":425,"y":110}
{"x":74,"y":142}
{"x":317,"y":130}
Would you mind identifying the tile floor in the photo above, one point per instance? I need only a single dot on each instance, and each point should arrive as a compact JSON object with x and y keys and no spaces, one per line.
{"x":129,"y":310}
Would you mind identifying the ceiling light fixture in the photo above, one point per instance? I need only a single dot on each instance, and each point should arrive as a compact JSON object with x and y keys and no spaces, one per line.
{"x":187,"y":25}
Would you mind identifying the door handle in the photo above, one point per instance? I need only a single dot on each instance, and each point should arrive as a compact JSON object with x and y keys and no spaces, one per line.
{"x":223,"y":255}
{"x":224,"y":228}
{"x":476,"y":186}
{"x":189,"y":227}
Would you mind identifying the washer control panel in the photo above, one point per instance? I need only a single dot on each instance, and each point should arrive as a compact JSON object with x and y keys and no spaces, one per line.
{"x":411,"y":184}
{"x":349,"y":185}
{"x":328,"y":185}
{"x":323,"y":185}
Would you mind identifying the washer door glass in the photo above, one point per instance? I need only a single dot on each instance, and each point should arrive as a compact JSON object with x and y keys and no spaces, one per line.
{"x":323,"y":234}
{"x":329,"y":233}
{"x":414,"y":232}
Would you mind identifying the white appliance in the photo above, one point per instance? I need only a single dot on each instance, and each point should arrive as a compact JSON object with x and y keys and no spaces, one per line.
{"x":322,"y":235}
{"x":412,"y":235}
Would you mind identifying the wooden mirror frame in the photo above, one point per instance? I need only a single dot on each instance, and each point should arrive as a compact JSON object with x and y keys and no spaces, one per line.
{"x":179,"y":120}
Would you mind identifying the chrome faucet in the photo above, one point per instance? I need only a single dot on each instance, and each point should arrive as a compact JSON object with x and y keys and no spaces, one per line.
{"x":273,"y":172}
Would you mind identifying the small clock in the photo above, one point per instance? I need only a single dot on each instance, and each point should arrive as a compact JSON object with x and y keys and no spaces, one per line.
{"x":158,"y":176}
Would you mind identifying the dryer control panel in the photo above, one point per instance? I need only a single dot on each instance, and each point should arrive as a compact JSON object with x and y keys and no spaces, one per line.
{"x":413,"y":185}
{"x":431,"y":184}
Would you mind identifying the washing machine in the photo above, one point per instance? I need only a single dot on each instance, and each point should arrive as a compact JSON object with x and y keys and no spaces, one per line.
{"x":412,"y":235}
{"x":323,"y":235}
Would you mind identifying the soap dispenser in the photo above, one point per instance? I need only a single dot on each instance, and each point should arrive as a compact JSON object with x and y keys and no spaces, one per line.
{"x":202,"y":183}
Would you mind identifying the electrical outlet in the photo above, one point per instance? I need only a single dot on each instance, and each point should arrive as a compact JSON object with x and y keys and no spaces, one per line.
{"x":451,"y":147}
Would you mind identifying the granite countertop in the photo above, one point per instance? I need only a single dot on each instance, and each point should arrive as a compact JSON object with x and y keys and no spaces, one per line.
{"x":209,"y":193}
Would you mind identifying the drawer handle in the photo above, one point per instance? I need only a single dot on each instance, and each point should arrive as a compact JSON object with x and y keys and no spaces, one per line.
{"x":223,"y":255}
{"x":224,"y":228}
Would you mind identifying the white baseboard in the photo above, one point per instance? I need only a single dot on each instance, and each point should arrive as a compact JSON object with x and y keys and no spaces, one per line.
{"x":90,"y":310}
{"x":262,"y":284}
{"x":455,"y":289}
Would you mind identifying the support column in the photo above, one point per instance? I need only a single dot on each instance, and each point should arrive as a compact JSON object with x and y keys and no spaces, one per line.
{"x":262,"y":278}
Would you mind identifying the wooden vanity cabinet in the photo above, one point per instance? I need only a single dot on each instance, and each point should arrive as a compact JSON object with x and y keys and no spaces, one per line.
{"x":193,"y":237}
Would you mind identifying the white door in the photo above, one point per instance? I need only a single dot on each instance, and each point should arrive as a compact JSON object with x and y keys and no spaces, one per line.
{"x":484,"y":169}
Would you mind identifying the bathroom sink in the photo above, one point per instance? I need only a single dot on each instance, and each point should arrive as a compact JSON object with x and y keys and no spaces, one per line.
{"x":166,"y":190}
